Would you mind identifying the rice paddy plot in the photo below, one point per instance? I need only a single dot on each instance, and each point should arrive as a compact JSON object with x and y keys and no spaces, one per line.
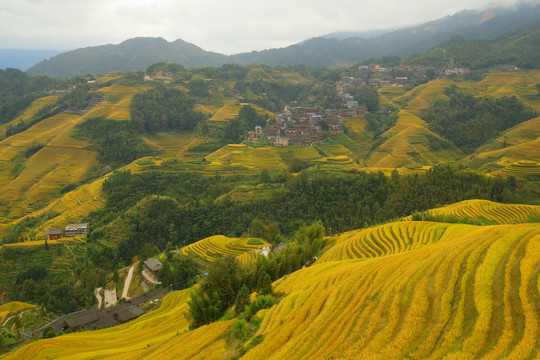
{"x":421,"y":96}
{"x":27,"y":115}
{"x":518,"y":160}
{"x":409,"y":143}
{"x":436,"y":301}
{"x":172,"y":144}
{"x":13,"y":307}
{"x":158,"y":333}
{"x":216,"y":246}
{"x":227,"y":112}
{"x":242,"y":155}
{"x":489,"y":210}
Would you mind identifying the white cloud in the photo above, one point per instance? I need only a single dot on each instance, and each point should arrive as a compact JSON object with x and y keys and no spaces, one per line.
{"x":221,"y":26}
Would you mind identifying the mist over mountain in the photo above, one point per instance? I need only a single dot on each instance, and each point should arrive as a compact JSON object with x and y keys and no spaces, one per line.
{"x":23,"y":59}
{"x":336,"y":49}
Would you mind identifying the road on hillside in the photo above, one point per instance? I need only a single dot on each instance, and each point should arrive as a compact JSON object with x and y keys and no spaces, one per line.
{"x":127,"y":282}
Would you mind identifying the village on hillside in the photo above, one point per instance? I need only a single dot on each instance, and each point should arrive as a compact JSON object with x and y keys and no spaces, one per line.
{"x":302,"y":124}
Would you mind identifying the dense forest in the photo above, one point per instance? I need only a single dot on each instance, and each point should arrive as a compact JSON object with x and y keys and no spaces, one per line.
{"x":18,"y":90}
{"x":164,"y":108}
{"x":520,"y":48}
{"x":469,"y":121}
{"x":116,"y":142}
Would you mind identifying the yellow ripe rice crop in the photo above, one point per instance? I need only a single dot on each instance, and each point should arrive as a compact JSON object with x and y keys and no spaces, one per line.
{"x":29,"y":112}
{"x":13,"y":308}
{"x":159,"y":332}
{"x":421,"y":96}
{"x":219,"y":245}
{"x":227,"y":112}
{"x":408,"y":144}
{"x":253,"y":158}
{"x":489,"y":210}
{"x":384,"y":240}
{"x":230,"y":110}
{"x":462,"y":291}
{"x":417,"y":304}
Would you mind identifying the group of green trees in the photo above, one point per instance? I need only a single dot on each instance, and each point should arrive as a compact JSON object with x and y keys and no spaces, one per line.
{"x":229,"y":283}
{"x":469,"y":121}
{"x":182,"y":208}
{"x":237,"y":128}
{"x":164,"y":108}
{"x":18,"y":90}
{"x":40,"y":283}
{"x":116,"y":142}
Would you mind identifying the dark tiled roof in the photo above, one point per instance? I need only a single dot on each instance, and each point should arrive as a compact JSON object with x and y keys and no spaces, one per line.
{"x":153,"y":264}
{"x":53,"y":232}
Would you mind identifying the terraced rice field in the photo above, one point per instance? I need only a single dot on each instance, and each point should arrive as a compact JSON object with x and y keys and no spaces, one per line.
{"x":522,"y":133}
{"x":173,"y":144}
{"x":408,"y":144}
{"x":489,"y":210}
{"x":219,"y":245}
{"x":421,"y":96}
{"x":226,"y":112}
{"x":517,"y":160}
{"x":255,"y":158}
{"x":71,"y":207}
{"x":117,"y":107}
{"x":231,"y":108}
{"x":414,"y":290}
{"x":384,"y":240}
{"x":13,"y":308}
{"x":156,"y":335}
{"x":28,"y":113}
{"x":471,"y":295}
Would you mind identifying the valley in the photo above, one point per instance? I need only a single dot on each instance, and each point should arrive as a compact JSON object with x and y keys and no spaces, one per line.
{"x":416,"y":245}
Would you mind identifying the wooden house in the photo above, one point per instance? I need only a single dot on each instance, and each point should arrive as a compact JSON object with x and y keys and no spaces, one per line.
{"x":76,"y":230}
{"x":152,"y":266}
{"x":53,"y":234}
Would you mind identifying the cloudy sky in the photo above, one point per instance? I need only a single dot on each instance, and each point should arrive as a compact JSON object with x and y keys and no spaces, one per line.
{"x":227,"y":27}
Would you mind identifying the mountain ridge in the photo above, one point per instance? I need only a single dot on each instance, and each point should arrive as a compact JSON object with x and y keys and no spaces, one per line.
{"x":325,"y":51}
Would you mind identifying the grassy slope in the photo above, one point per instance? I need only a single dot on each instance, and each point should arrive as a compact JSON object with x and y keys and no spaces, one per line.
{"x":415,"y":290}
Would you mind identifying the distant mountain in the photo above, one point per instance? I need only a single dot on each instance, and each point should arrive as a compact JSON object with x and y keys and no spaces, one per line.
{"x":340,"y":35}
{"x":333,"y":52}
{"x":520,"y":48}
{"x":330,"y":50}
{"x":23,"y":59}
{"x":132,"y":54}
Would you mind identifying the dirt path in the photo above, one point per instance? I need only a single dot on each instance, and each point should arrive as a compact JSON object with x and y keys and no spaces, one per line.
{"x":110,"y":297}
{"x":98,"y":296}
{"x":127,"y":282}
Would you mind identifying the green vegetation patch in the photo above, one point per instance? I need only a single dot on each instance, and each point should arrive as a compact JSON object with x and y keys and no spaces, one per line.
{"x":116,"y":142}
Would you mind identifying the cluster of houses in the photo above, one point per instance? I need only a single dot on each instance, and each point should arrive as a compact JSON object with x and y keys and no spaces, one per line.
{"x":70,"y":230}
{"x":300,"y":125}
{"x":94,"y":318}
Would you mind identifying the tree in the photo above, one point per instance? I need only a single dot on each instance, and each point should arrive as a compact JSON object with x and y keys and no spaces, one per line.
{"x":116,"y":277}
{"x":169,"y":250}
{"x":264,"y":284}
{"x":29,"y":290}
{"x":265,"y":176}
{"x":166,"y":276}
{"x":257,"y":229}
{"x":242,"y":300}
